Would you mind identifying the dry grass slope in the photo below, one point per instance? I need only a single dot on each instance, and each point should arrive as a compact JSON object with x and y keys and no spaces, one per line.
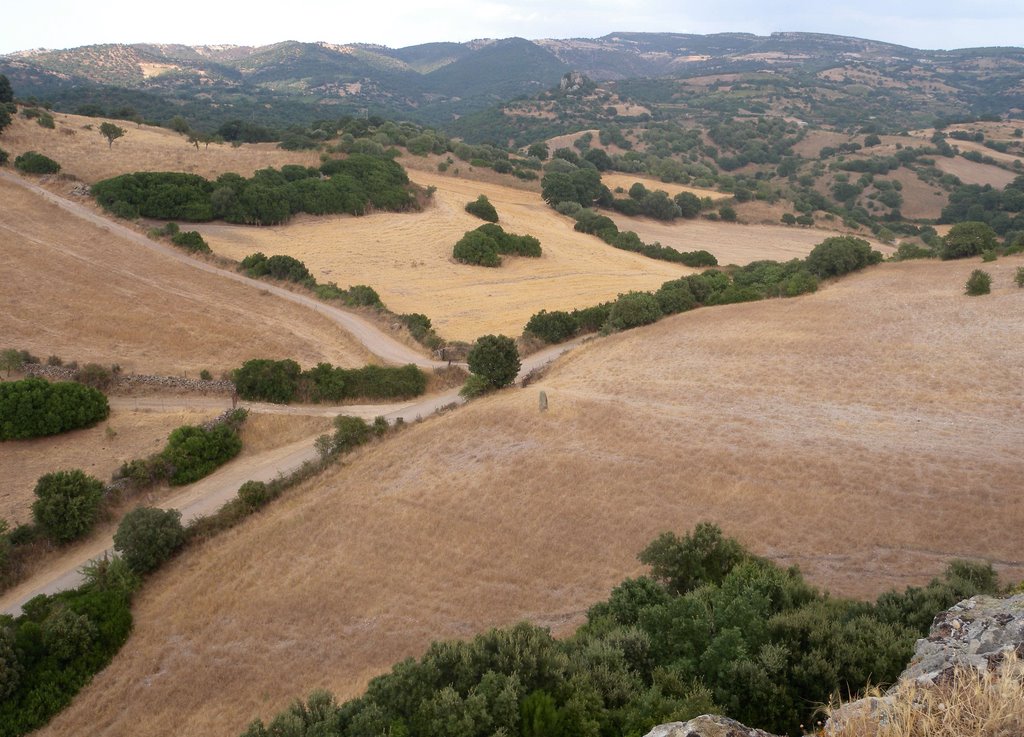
{"x":85,"y":154}
{"x":87,"y":295}
{"x":867,"y":433}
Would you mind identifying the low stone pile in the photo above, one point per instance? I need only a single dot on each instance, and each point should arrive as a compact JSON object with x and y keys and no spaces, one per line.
{"x":63,"y":373}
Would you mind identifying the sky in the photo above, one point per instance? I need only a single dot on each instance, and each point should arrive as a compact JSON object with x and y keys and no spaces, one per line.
{"x":925,"y":24}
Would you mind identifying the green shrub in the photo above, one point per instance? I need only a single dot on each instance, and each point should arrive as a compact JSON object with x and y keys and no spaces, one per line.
{"x":33,"y":407}
{"x":475,"y":386}
{"x":968,"y":239}
{"x":841,"y":255}
{"x":634,"y":309}
{"x":350,"y":432}
{"x":495,"y":358}
{"x":907,"y":251}
{"x":4,"y":157}
{"x":191,"y":240}
{"x":674,"y":297}
{"x":67,"y":504}
{"x":266,"y":380}
{"x":193,"y":452}
{"x":95,"y":376}
{"x":511,"y":244}
{"x":553,"y":327}
{"x":361,"y":295}
{"x":147,"y":537}
{"x":1018,"y":277}
{"x":483,"y":209}
{"x":31,"y":162}
{"x":979,"y":282}
{"x":253,"y":494}
{"x":478,"y":249}
{"x":285,"y":268}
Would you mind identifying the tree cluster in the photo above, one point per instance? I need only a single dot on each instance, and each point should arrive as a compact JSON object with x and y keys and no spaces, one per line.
{"x":353,"y":185}
{"x":713,"y":628}
{"x":589,"y":221}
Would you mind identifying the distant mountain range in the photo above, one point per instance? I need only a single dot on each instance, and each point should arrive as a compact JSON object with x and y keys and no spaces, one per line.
{"x":439,"y":82}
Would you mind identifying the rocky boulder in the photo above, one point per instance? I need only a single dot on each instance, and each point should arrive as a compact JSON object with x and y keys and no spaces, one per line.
{"x":707,"y":726}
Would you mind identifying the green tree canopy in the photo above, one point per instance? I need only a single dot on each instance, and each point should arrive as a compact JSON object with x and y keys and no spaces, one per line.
{"x":496,"y":359}
{"x":67,"y":503}
{"x":111,"y":132}
{"x":968,"y":239}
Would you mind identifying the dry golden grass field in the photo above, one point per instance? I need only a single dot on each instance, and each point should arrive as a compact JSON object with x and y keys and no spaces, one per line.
{"x":87,"y":295}
{"x":85,"y":154}
{"x":971,"y":172}
{"x":98,"y":451}
{"x":407,"y":258}
{"x":733,"y":243}
{"x":625,"y":181}
{"x":868,"y":433}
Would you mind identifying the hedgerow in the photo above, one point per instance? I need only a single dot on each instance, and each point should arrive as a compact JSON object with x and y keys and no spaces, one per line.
{"x":267,"y":380}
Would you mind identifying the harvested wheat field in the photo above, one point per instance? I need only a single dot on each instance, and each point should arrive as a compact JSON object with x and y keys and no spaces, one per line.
{"x":733,"y":243}
{"x":85,"y":153}
{"x":98,"y":451}
{"x":407,"y":258}
{"x":625,"y":181}
{"x":920,"y":199}
{"x":868,"y":433}
{"x":87,"y":295}
{"x":971,"y":172}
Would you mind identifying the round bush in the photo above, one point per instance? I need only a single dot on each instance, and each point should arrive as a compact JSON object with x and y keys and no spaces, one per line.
{"x":968,"y":239}
{"x":67,"y":504}
{"x":483,"y":209}
{"x":978,"y":283}
{"x":31,"y":162}
{"x":841,"y":255}
{"x":147,"y":537}
{"x":496,"y":359}
{"x":477,"y":248}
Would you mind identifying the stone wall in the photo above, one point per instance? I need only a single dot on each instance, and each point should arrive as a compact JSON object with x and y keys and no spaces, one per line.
{"x":126,"y":381}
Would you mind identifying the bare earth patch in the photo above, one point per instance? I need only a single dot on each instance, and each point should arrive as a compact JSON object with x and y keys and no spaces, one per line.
{"x":868,"y":433}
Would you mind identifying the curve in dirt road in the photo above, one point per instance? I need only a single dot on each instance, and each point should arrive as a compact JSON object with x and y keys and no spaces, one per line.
{"x":209,"y":494}
{"x":375,"y":340}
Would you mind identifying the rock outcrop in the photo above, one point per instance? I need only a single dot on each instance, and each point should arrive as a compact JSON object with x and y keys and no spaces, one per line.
{"x":978,"y":633}
{"x":707,"y":726}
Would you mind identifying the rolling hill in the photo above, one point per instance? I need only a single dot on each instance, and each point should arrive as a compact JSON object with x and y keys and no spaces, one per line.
{"x":867,"y":433}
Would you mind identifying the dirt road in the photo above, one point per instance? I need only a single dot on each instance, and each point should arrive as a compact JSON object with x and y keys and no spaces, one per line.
{"x":207,"y":495}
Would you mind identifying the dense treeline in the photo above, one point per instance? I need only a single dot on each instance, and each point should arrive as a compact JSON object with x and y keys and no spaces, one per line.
{"x":33,"y":407}
{"x":53,"y":649}
{"x":1003,"y":211}
{"x":713,"y":628}
{"x":266,"y":380}
{"x":352,"y":185}
{"x":757,"y":280}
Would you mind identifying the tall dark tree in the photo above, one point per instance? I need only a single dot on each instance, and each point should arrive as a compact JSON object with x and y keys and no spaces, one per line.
{"x":6,"y":93}
{"x":496,"y":359}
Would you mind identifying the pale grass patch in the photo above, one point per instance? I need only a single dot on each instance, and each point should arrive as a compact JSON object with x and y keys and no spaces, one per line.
{"x":965,"y":704}
{"x":263,"y":432}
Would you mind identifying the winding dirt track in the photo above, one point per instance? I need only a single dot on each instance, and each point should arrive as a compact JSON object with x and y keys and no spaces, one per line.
{"x":210,"y":493}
